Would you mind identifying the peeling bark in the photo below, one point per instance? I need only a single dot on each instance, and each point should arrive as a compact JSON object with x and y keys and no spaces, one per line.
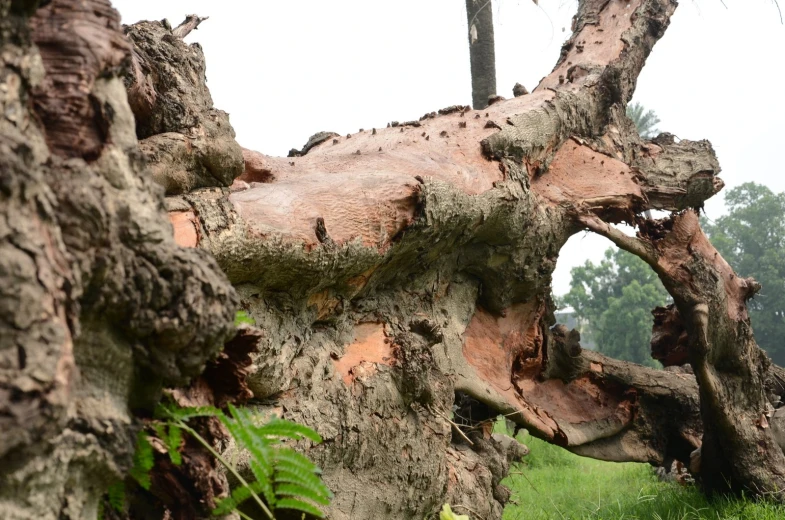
{"x":190,"y":490}
{"x":740,"y":449}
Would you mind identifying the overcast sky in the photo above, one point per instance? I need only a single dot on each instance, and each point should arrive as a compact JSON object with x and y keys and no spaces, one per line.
{"x":285,"y":70}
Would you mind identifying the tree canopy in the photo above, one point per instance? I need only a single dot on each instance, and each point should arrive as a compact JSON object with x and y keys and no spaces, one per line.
{"x":751,"y":237}
{"x":614,"y":300}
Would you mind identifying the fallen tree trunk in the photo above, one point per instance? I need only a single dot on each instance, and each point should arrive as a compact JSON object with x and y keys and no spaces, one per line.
{"x":401,"y":276}
{"x":740,"y":450}
{"x":398,"y":270}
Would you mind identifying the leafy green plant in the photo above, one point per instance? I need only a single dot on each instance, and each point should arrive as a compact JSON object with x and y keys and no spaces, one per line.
{"x":144,"y":460}
{"x":242,"y":317}
{"x":284,"y":478}
{"x":447,"y":514}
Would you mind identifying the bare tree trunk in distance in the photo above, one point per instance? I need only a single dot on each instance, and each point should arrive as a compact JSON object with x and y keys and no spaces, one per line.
{"x":396,"y":276}
{"x":482,"y":54}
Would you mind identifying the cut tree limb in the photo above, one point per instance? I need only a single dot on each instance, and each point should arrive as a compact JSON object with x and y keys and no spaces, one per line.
{"x":191,"y":23}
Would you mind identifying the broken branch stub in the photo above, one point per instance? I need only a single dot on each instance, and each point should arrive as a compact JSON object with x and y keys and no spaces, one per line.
{"x":191,"y":23}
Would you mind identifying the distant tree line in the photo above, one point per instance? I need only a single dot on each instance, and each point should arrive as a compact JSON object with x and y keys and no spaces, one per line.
{"x":613,"y":299}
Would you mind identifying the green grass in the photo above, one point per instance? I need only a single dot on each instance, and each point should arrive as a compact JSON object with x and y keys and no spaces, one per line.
{"x":555,"y":484}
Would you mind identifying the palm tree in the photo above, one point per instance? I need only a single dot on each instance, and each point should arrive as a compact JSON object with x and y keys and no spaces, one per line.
{"x":645,"y":120}
{"x":482,"y":52}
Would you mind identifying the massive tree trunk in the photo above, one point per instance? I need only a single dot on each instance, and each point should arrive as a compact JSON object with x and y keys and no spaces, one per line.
{"x":99,"y":308}
{"x":482,"y":51}
{"x":400,"y":277}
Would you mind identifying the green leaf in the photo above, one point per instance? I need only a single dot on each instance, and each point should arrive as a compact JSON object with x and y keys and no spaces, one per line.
{"x":238,"y":496}
{"x":116,"y":496}
{"x":144,"y":460}
{"x":282,"y":428}
{"x":298,"y":491}
{"x":447,"y":514}
{"x":174,"y":440}
{"x":242,"y":317}
{"x":292,"y":503}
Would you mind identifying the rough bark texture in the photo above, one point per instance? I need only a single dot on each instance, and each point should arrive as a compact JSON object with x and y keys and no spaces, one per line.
{"x":191,"y":489}
{"x":400,"y":277}
{"x":187,"y":142}
{"x":741,"y":449}
{"x":99,"y":308}
{"x":482,"y":51}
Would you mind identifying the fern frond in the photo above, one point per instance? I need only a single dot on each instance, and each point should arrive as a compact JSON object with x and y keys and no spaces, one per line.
{"x":171,"y":435}
{"x":238,"y":496}
{"x":241,"y":426}
{"x":299,"y":492}
{"x":173,"y":442}
{"x":284,"y":478}
{"x":288,"y":459}
{"x":144,"y":460}
{"x":116,"y":496}
{"x":299,"y":505}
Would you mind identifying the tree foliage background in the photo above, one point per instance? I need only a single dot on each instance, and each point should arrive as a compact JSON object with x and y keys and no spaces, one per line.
{"x":646,"y":121}
{"x":751,"y":237}
{"x":613,"y":300}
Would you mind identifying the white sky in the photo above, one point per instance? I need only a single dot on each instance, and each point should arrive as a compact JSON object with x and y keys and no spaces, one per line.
{"x":285,"y":70}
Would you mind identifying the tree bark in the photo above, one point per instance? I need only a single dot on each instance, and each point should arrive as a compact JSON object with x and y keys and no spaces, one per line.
{"x":99,"y":308}
{"x":482,"y":51}
{"x":401,"y":277}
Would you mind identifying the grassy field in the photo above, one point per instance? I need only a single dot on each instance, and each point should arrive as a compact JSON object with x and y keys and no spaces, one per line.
{"x":555,"y":484}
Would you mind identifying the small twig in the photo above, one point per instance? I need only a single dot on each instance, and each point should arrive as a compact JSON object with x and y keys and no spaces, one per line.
{"x":778,"y":9}
{"x":521,"y":473}
{"x":469,"y":509}
{"x":190,"y":23}
{"x":458,"y":428}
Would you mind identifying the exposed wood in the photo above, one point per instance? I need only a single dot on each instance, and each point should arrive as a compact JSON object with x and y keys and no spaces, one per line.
{"x":191,"y":23}
{"x":740,"y":452}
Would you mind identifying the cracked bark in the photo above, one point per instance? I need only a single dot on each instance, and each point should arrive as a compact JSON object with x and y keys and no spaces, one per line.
{"x":467,"y":245}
